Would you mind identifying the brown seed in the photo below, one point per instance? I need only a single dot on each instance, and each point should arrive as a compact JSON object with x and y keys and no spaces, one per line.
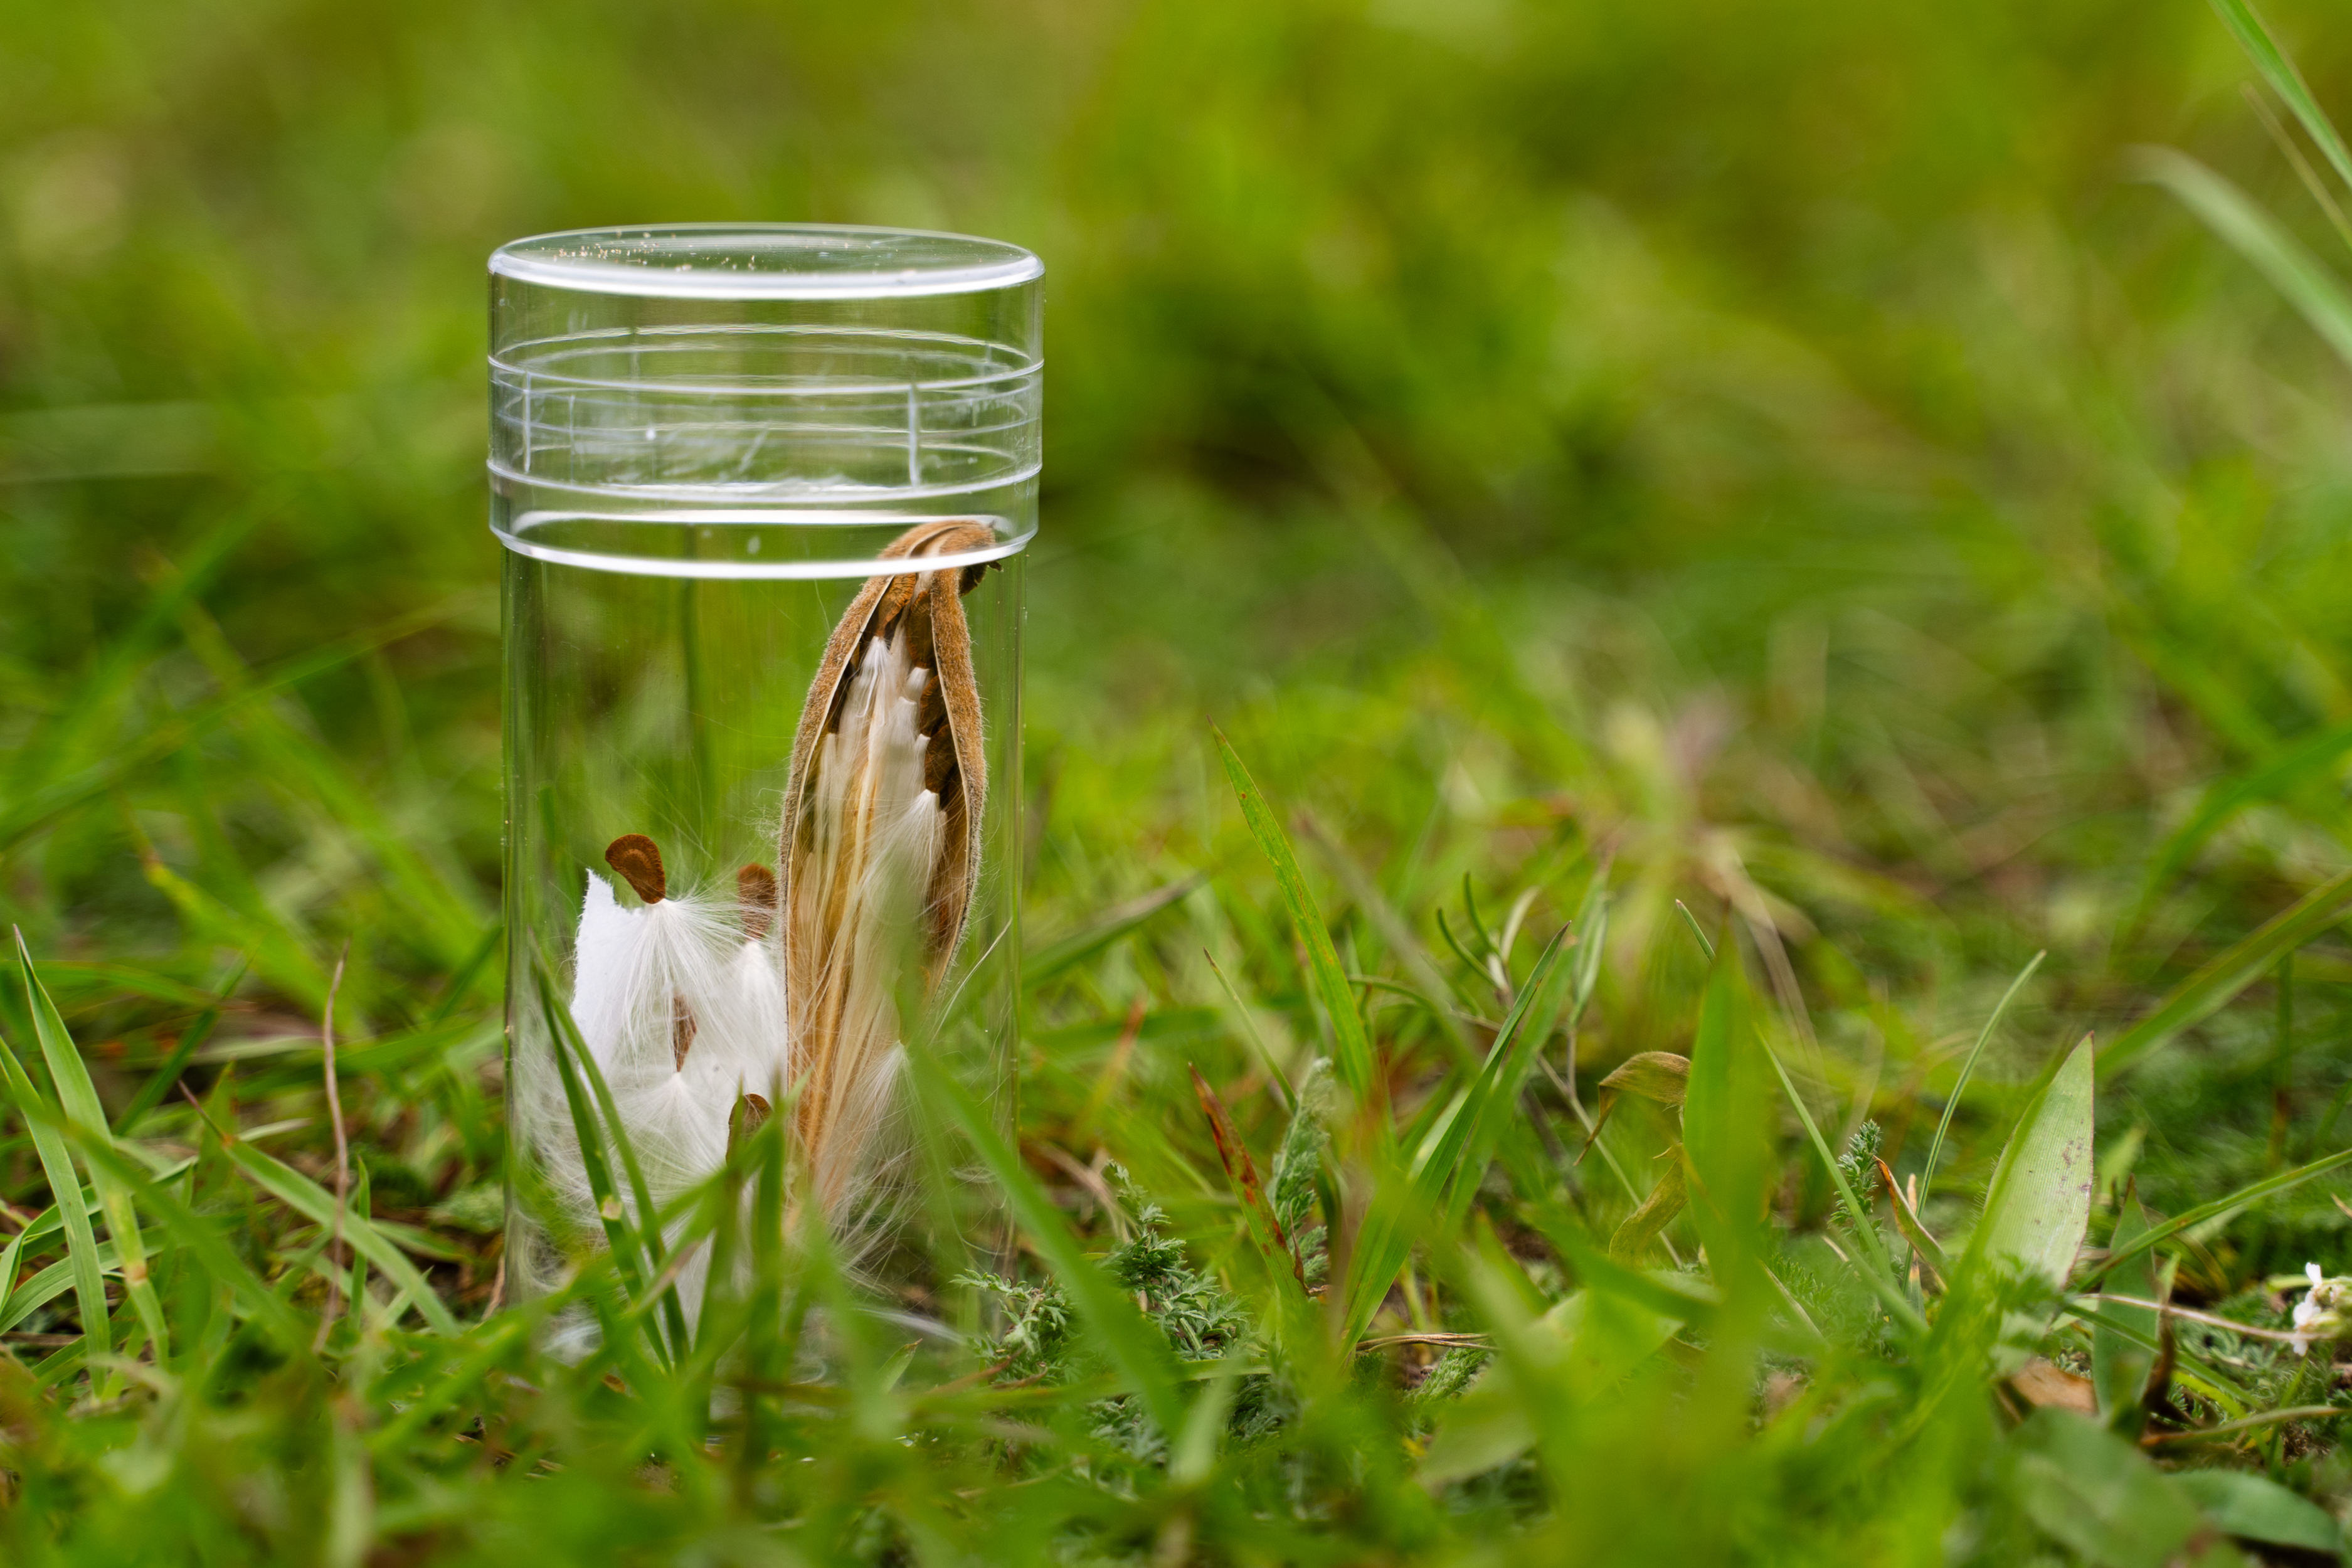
{"x":755,"y":886}
{"x":681,"y":1031}
{"x":634,"y":855}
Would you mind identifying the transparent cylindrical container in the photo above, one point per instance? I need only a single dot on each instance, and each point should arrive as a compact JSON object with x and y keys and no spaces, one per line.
{"x":763,"y":492}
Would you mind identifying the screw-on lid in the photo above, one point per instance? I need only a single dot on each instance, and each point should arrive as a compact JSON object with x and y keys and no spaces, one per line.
{"x":788,"y":362}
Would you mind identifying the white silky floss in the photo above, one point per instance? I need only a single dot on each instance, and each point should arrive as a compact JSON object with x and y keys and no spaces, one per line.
{"x":637,"y":969}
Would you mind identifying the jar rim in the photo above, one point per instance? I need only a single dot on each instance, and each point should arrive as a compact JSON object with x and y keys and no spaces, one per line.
{"x":765,"y":261}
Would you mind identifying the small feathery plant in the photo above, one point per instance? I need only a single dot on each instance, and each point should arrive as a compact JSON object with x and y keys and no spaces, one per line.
{"x":1858,"y":1164}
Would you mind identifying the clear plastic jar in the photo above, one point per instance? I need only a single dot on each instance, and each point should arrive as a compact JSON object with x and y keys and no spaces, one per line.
{"x":763,"y":491}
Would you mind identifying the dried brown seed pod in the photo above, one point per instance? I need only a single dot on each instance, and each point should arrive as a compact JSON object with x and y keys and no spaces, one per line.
{"x":889,"y":745}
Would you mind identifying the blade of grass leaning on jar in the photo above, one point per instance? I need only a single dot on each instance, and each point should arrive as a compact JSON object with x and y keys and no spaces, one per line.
{"x":881,"y":849}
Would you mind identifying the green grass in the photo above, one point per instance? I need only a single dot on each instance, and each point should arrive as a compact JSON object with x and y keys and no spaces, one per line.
{"x":1795,"y":460}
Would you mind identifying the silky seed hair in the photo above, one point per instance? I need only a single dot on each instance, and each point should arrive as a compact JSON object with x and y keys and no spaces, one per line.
{"x":681,"y":1013}
{"x":638,"y":860}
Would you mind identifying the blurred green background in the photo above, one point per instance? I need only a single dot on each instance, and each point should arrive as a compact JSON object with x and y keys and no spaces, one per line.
{"x":1785,"y":418}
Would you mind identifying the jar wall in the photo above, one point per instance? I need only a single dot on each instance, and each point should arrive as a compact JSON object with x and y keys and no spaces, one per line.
{"x":762,"y":740}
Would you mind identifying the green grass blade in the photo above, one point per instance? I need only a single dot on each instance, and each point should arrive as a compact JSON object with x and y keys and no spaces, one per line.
{"x":11,"y":1257}
{"x":2283,"y":139}
{"x":314,"y":1203}
{"x":2309,"y":760}
{"x":441,"y":903}
{"x":1352,"y":1052}
{"x":2229,"y":972}
{"x":646,"y":1223}
{"x":277,"y":952}
{"x":1052,"y":958}
{"x":2269,"y":1186}
{"x":589,"y":1133}
{"x":196,"y":1234}
{"x":192,"y":1040}
{"x":76,"y":1094}
{"x":58,"y":1278}
{"x":1967,"y":1070}
{"x":1705,"y":944}
{"x":461,"y":982}
{"x":1461,"y":953}
{"x":2119,"y":1367}
{"x":1440,"y":1191}
{"x":1591,"y":928}
{"x":78,"y":1098}
{"x":1877,"y":1270}
{"x":1400,"y":1207}
{"x":1907,"y":1220}
{"x":98,"y":695}
{"x":2192,"y":1370}
{"x":1681,"y":1296}
{"x":22,"y":818}
{"x":636,"y":1234}
{"x":73,"y":975}
{"x":1467,"y":1145}
{"x":1247,"y":1028}
{"x":2315,"y":292}
{"x":2279,"y":71}
{"x":621,"y":1241}
{"x":65,"y":1191}
{"x":493,"y":1343}
{"x":1193,"y":1454}
{"x":1725,"y":1141}
{"x":42,"y":1288}
{"x":1429,"y":985}
{"x":766,"y":1359}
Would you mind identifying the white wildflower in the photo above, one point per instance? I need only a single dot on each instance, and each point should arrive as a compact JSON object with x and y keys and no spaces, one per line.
{"x":2320,"y":1315}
